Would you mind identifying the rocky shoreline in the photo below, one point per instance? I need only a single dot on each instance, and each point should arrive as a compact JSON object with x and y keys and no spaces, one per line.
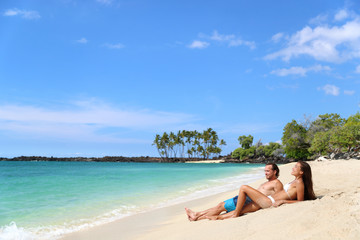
{"x":84,"y":159}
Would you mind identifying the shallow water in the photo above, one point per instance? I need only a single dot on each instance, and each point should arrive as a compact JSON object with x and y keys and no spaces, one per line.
{"x":42,"y":200}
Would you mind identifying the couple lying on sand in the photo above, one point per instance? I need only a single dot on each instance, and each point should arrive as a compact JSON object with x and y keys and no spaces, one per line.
{"x":270,"y":193}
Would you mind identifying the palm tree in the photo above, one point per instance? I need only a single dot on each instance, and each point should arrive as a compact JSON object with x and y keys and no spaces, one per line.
{"x":181,"y":136}
{"x":165,"y":144}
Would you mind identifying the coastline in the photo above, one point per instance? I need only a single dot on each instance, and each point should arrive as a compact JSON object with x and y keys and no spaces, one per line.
{"x":144,"y":159}
{"x":336,"y":184}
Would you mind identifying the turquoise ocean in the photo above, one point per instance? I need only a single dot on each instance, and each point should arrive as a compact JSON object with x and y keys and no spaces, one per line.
{"x":45,"y":200}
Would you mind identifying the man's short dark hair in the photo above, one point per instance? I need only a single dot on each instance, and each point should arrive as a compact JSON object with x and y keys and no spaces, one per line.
{"x":274,"y":168}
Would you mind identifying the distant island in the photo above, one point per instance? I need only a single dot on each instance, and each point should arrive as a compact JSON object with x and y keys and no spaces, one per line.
{"x":84,"y":159}
{"x":145,"y":159}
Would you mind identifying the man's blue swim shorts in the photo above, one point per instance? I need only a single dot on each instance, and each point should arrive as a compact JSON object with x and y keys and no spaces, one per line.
{"x":230,"y":204}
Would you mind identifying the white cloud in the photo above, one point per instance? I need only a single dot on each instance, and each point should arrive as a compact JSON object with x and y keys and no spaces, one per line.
{"x":11,"y":12}
{"x":349,"y":92}
{"x":325,"y":43}
{"x":299,"y":70}
{"x":357,"y":69}
{"x":341,"y":15}
{"x":84,"y":120}
{"x":330,"y":89}
{"x":199,"y":44}
{"x":277,"y":37}
{"x":231,"y":40}
{"x":82,"y":40}
{"x":22,"y":13}
{"x":239,"y":42}
{"x":105,"y":2}
{"x":290,"y":71}
{"x":113,"y":46}
{"x":319,"y":68}
{"x":218,"y":37}
{"x":318,"y":20}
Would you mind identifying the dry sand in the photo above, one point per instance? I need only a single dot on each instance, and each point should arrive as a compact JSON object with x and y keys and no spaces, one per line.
{"x":335,"y":214}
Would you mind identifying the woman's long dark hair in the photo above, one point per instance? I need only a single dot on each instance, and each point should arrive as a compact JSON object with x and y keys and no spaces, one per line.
{"x":307,"y":179}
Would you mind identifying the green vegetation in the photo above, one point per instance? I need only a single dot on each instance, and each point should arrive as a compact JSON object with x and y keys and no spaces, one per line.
{"x":192,"y":143}
{"x":248,"y":150}
{"x":328,"y":133}
{"x":320,"y":143}
{"x":294,"y":140}
{"x":246,"y":141}
{"x":353,"y":120}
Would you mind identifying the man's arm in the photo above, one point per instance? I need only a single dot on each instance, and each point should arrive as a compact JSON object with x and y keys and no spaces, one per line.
{"x":278,"y":186}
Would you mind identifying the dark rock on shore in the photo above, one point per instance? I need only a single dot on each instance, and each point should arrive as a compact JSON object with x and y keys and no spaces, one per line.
{"x":347,"y":155}
{"x":84,"y":159}
{"x":263,"y":159}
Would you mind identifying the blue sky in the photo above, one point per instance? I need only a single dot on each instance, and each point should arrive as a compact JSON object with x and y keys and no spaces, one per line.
{"x":103,"y":77}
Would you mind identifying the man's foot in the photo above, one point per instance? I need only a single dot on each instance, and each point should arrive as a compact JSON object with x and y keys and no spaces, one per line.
{"x":212,"y":217}
{"x":191,"y":215}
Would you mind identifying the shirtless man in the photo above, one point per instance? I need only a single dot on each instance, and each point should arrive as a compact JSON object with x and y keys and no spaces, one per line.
{"x":270,"y":187}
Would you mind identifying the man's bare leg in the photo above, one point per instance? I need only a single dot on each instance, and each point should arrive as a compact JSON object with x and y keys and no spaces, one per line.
{"x":248,"y":208}
{"x":215,"y":211}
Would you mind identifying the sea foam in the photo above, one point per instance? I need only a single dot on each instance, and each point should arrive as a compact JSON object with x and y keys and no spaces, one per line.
{"x":12,"y":232}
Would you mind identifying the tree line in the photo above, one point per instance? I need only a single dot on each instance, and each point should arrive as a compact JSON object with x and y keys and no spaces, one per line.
{"x":190,"y":144}
{"x":328,"y":133}
{"x":248,"y":150}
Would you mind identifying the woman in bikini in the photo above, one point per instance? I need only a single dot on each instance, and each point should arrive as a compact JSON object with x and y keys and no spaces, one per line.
{"x":300,"y":189}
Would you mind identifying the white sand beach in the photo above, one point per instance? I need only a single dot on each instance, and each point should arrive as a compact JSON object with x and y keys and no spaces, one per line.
{"x":335,"y":214}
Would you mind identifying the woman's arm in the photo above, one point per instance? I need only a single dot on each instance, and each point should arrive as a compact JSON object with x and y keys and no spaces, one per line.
{"x":280,"y":202}
{"x":299,"y":195}
{"x":300,"y":190}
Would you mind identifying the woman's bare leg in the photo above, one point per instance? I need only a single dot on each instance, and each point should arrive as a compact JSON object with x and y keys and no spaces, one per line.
{"x":260,"y":199}
{"x":251,"y":207}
